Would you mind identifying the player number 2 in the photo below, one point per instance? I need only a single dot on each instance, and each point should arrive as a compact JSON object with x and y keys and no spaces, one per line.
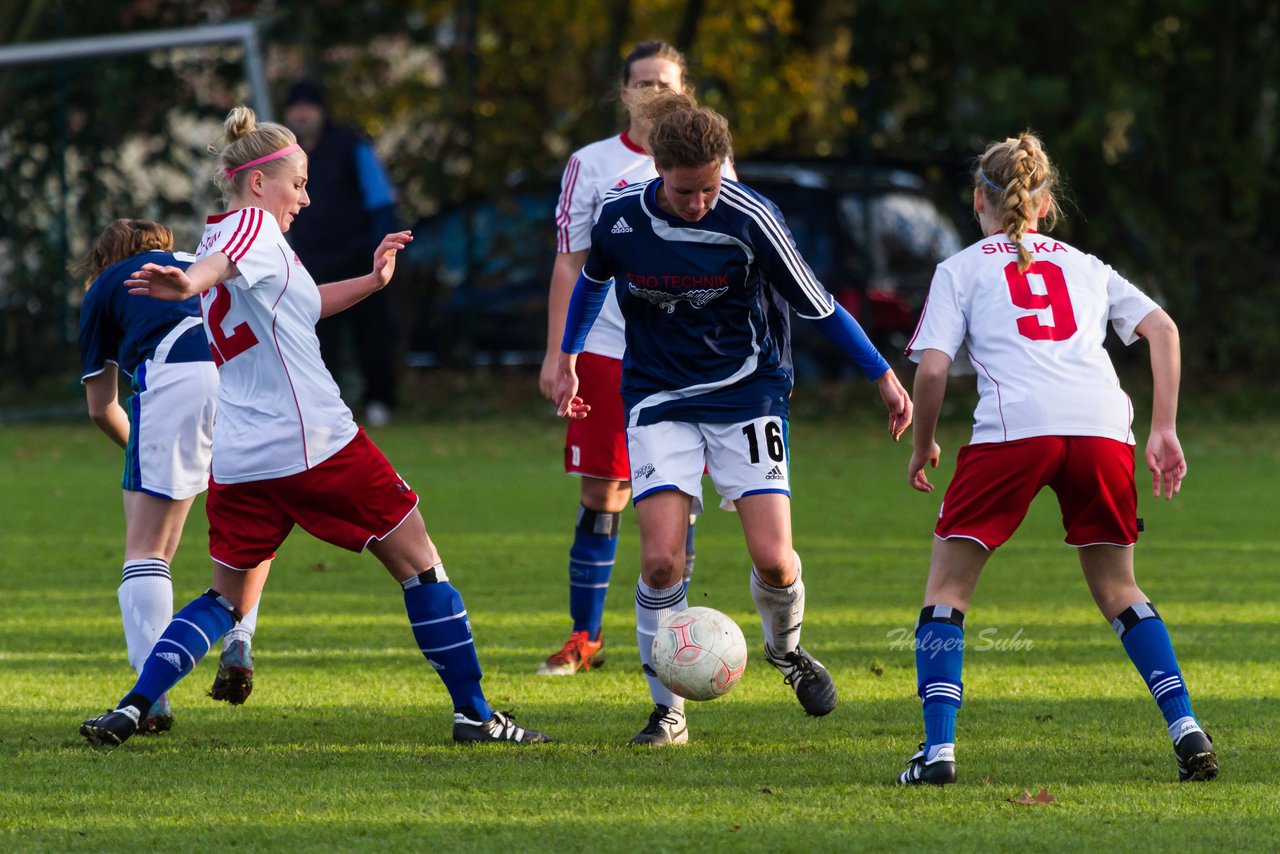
{"x":226,"y":347}
{"x":1054,"y":297}
{"x":772,"y":440}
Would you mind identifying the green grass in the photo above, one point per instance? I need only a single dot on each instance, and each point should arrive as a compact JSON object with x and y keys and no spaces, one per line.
{"x":345,"y":742}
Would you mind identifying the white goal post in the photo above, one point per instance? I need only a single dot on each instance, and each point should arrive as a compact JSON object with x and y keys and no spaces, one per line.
{"x":245,"y":33}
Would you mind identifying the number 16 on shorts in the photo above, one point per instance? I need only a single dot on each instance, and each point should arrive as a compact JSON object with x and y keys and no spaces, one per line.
{"x":745,"y":458}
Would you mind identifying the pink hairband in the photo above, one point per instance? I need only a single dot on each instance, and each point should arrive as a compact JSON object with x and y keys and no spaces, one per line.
{"x":284,"y":152}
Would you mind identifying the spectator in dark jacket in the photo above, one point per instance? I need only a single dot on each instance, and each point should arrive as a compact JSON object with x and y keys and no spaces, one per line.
{"x":353,"y":207}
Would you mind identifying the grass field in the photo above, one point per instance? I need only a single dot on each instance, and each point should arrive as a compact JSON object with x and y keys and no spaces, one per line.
{"x":345,"y":742}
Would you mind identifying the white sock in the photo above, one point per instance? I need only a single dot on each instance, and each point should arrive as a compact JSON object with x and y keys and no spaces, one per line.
{"x":244,"y":629}
{"x":652,"y":605}
{"x":1182,"y":726}
{"x":781,"y":612}
{"x":933,"y":752}
{"x":146,"y":606}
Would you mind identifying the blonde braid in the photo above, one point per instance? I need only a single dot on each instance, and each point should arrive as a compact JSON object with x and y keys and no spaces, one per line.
{"x":1020,"y":171}
{"x":1017,"y":212}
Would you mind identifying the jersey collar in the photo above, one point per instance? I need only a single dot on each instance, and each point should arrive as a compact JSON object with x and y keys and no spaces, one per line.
{"x":630,"y":143}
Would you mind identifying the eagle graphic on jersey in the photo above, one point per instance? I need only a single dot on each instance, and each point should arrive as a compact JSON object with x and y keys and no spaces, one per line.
{"x":667,"y":301}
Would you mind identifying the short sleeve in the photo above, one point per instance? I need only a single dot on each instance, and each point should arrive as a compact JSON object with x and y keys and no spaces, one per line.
{"x":99,"y":333}
{"x":1126,"y":306}
{"x":780,"y":261}
{"x":575,"y":213}
{"x":942,"y":324}
{"x":254,"y":246}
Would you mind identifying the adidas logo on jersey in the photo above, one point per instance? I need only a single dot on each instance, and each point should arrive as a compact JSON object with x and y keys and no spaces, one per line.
{"x":171,"y":657}
{"x":775,"y":474}
{"x":621,"y":227}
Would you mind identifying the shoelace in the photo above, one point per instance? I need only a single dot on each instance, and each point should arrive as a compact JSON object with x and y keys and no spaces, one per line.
{"x":659,"y":717}
{"x":802,"y":667}
{"x":505,"y":725}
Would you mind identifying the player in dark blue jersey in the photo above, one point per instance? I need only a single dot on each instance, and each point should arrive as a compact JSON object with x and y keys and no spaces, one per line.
{"x":706,"y":273}
{"x":166,"y":434}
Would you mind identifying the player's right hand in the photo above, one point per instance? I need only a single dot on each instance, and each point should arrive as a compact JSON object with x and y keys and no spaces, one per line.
{"x":915,"y":469}
{"x":897,"y":401}
{"x":164,"y":283}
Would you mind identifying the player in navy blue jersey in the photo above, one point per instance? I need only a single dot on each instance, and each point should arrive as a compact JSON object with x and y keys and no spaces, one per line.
{"x":166,"y":434}
{"x":706,"y":273}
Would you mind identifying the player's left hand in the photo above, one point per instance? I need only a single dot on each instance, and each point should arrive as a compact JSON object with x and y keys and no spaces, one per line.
{"x":897,"y":401}
{"x":1166,"y":462}
{"x":384,"y":258}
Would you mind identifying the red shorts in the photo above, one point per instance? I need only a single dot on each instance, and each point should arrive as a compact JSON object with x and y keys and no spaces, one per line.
{"x":995,"y":482}
{"x":349,"y":499}
{"x":596,"y":446}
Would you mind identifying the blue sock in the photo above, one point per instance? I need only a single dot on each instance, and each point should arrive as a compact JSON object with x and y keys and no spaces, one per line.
{"x":939,"y":656}
{"x":443,"y":632}
{"x":1146,"y":640}
{"x":595,"y":546}
{"x":180,"y":646}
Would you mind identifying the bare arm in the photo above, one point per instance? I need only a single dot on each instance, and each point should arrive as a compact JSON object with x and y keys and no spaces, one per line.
{"x":929,"y":389}
{"x":102,"y":395}
{"x":563,"y":277}
{"x":172,"y":284}
{"x":1164,"y":455}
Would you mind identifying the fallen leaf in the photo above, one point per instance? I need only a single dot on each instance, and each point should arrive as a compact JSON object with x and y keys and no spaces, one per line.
{"x":991,"y":778}
{"x":735,"y":828}
{"x":1042,"y":797}
{"x":877,"y":669}
{"x":766,"y":791}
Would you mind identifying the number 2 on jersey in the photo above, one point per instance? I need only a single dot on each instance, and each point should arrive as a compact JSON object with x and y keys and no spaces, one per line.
{"x":226,"y":347}
{"x":1056,"y":298}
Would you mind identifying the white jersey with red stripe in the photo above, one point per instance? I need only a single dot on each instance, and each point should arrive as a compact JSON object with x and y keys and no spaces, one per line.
{"x":592,"y":171}
{"x":279,"y":409}
{"x":1035,"y":338}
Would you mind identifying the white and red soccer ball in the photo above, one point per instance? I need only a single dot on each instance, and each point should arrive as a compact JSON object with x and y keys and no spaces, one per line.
{"x":699,"y":653}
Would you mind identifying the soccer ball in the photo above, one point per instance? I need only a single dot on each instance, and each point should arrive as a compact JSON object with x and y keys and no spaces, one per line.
{"x":699,"y":653}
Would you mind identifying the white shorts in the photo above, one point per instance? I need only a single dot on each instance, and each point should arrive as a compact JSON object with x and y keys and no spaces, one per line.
{"x":171,"y":429}
{"x":747,"y":458}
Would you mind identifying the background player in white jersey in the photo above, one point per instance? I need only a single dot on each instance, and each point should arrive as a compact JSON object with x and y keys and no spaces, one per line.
{"x":285,"y":448}
{"x":166,"y":431}
{"x":1033,"y":312}
{"x":596,"y":448}
{"x":706,"y":274}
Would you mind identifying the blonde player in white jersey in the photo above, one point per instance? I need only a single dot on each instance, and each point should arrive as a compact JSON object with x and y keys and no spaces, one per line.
{"x":596,"y":448}
{"x":286,"y":450}
{"x":1033,"y":312}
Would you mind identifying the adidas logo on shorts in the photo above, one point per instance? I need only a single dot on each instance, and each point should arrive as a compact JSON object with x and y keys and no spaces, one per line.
{"x":621,"y":227}
{"x":774,"y":474}
{"x":171,"y":657}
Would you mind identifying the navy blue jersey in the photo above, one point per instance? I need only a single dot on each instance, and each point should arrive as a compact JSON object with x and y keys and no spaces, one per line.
{"x":705,"y":304}
{"x":116,"y":327}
